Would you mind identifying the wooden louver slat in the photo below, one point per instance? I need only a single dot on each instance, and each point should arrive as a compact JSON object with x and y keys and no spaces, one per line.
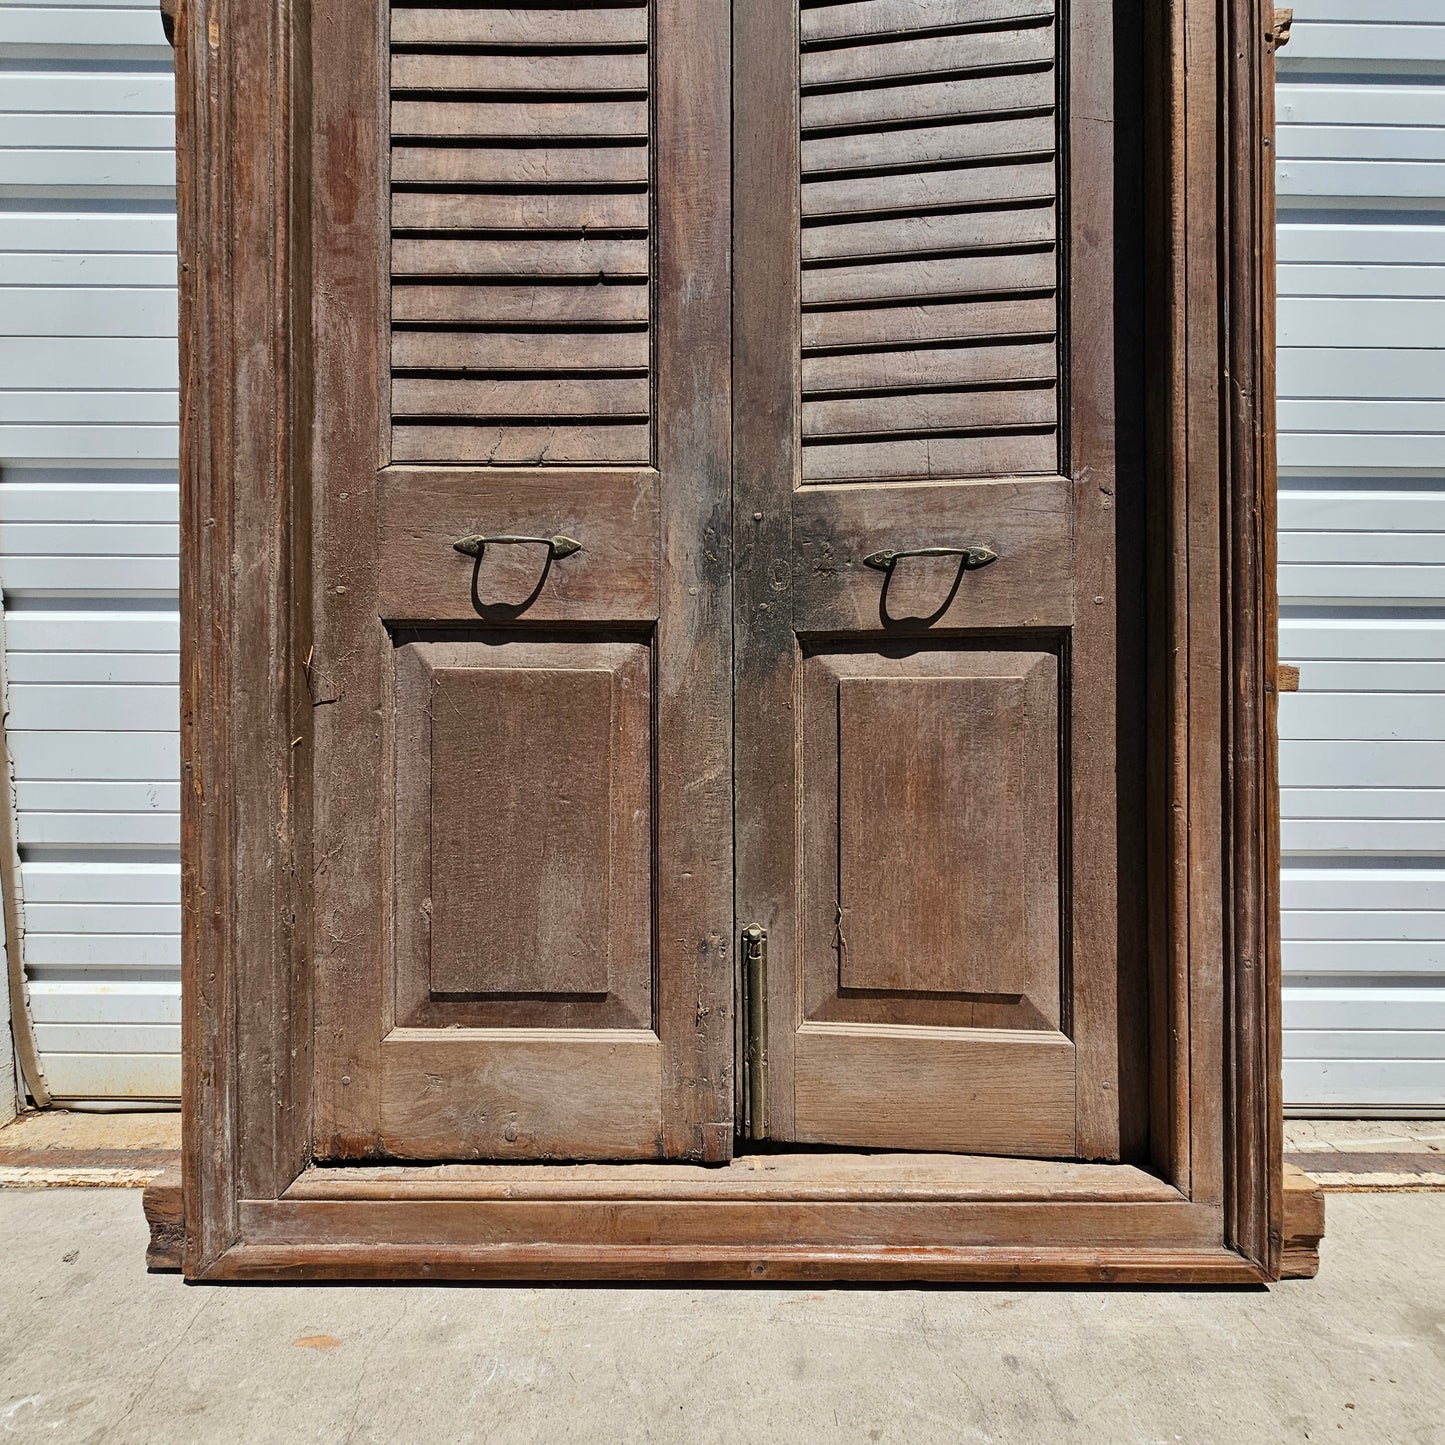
{"x":520,"y":253}
{"x":929,"y":244}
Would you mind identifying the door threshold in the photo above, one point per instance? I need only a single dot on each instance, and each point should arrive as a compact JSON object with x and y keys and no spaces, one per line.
{"x":764,"y":1217}
{"x":802,"y":1176}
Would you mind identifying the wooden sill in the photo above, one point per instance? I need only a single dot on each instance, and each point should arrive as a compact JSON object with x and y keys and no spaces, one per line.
{"x":798,"y":1178}
{"x":779,"y":1217}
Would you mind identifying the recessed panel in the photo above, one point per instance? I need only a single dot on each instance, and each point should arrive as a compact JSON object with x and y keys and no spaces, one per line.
{"x":521,"y":801}
{"x":523,"y":834}
{"x":934,"y":877}
{"x":931,"y":837}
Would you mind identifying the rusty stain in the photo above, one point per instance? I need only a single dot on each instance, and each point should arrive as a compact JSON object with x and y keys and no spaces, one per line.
{"x":317,"y":1342}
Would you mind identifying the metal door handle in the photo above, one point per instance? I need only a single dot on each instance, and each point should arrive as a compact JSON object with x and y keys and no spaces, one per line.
{"x":973,"y":557}
{"x":558,"y":546}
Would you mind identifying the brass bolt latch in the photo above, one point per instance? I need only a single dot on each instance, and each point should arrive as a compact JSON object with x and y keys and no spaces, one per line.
{"x":755,"y":1026}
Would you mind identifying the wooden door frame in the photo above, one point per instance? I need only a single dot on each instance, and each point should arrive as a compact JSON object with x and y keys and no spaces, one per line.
{"x":1208,"y":1205}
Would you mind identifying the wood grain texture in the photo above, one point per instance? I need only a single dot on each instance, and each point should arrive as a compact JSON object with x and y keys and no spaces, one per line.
{"x":617,"y":398}
{"x":978,"y":140}
{"x":912,"y":58}
{"x":1164,"y":221}
{"x":515,"y":1093}
{"x":1256,"y":1192}
{"x":548,"y":211}
{"x":1126,"y":1263}
{"x":1026,"y":522}
{"x":523,"y":833}
{"x":900,"y":212}
{"x":695,"y":924}
{"x":875,"y":942}
{"x":932,"y":101}
{"x":987,"y":369}
{"x":609,"y":121}
{"x":793,"y":1178}
{"x":1303,"y":1213}
{"x":562,"y":28}
{"x":414,"y":163}
{"x":615,"y":577}
{"x":244,"y":817}
{"x":164,"y":1205}
{"x":1097,"y":314}
{"x":503,"y":443}
{"x":930,"y":323}
{"x":470,"y":352}
{"x":934,"y":867}
{"x":545,"y":1027}
{"x":527,"y":230}
{"x":908,"y":414}
{"x":434,"y":72}
{"x":588,"y":304}
{"x":522,"y":765}
{"x":343,"y":665}
{"x":862,"y":19}
{"x":1201,"y":309}
{"x":914,"y":282}
{"x":532,"y":257}
{"x":926,"y":190}
{"x":710,"y":1225}
{"x":969,"y":231}
{"x":981,"y":1091}
{"x":767,"y":360}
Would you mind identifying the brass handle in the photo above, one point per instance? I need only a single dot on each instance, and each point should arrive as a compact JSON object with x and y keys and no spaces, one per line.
{"x":558,"y":546}
{"x":973,"y":557}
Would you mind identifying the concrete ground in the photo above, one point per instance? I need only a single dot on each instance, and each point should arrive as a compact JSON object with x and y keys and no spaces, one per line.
{"x":94,"y":1349}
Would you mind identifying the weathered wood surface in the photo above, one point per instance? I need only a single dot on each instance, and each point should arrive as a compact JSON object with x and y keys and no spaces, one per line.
{"x":899,"y":215}
{"x":280,"y":582}
{"x":524,"y":846}
{"x":165,"y":1214}
{"x":1304,"y":1225}
{"x":499,"y":213}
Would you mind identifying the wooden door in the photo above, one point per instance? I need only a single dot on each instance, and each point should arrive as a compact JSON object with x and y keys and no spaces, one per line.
{"x":936,"y":770}
{"x":520,"y":671}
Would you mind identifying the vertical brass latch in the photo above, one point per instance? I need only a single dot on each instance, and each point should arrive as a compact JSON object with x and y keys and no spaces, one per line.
{"x":755,"y":1030}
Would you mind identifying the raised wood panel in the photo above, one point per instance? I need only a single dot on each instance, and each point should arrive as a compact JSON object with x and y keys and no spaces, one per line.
{"x":930,"y":837}
{"x":928,"y":238}
{"x":520,"y":224}
{"x":944,"y":850}
{"x":522,"y":764}
{"x":523,"y":833}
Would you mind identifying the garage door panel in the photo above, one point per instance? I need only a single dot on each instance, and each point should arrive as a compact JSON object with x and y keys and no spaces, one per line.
{"x":1367,"y":926}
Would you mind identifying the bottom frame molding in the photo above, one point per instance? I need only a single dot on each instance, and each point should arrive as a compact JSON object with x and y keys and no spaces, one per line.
{"x":805,"y":1218}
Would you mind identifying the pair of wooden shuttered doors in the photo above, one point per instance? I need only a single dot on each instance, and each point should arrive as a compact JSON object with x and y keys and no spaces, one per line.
{"x":718,"y":303}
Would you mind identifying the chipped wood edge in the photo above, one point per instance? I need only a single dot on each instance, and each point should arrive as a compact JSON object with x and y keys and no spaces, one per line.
{"x":1304,"y":1225}
{"x":164,"y":1207}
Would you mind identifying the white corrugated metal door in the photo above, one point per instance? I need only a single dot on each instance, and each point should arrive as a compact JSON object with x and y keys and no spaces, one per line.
{"x":88,"y":534}
{"x":1362,"y":553}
